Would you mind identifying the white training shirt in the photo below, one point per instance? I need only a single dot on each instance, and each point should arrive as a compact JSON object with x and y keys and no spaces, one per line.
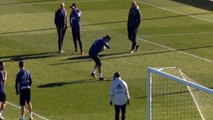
{"x":119,"y":92}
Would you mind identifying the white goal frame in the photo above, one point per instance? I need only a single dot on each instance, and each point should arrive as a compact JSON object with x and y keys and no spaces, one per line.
{"x":171,"y":77}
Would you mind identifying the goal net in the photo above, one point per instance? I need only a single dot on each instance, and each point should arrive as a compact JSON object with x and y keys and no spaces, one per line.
{"x":172,"y":95}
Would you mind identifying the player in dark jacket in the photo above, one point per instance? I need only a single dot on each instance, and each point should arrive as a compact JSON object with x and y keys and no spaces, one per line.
{"x":22,"y":86}
{"x":99,"y":45}
{"x":134,"y":21}
{"x":75,"y":26}
{"x":61,"y":25}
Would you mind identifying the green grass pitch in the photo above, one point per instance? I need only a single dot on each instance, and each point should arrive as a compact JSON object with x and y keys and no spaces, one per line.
{"x":172,"y":33}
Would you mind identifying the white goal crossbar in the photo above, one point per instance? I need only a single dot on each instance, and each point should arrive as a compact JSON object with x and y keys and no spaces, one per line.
{"x":181,"y":80}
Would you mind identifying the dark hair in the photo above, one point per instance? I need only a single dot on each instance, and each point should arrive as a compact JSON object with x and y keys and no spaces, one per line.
{"x":116,"y":74}
{"x":21,"y":63}
{"x":73,"y":5}
{"x":107,"y":37}
{"x":1,"y":65}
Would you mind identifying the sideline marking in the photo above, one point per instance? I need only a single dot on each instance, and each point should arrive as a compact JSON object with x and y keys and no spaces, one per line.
{"x":179,"y":34}
{"x":181,"y":13}
{"x":185,"y":53}
{"x":26,"y":110}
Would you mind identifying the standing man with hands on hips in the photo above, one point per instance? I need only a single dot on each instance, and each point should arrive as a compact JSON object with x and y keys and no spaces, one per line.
{"x":61,"y":25}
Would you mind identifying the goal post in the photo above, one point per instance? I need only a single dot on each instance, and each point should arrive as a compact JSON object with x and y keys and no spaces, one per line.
{"x":172,"y":95}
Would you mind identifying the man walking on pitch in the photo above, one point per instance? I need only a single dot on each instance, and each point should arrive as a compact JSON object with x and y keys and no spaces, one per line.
{"x":61,"y":25}
{"x":134,"y":20}
{"x":119,"y":94}
{"x":3,"y":78}
{"x":98,"y":46}
{"x":22,"y":86}
{"x":75,"y":26}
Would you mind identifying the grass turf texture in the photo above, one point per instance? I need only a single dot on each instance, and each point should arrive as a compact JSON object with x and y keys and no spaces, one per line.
{"x":62,"y":86}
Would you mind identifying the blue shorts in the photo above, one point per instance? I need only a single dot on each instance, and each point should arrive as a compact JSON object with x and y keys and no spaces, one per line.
{"x":2,"y":97}
{"x":25,"y":96}
{"x":96,"y":59}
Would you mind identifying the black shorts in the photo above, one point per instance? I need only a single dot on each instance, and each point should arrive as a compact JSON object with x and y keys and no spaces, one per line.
{"x":25,"y":96}
{"x":96,"y":59}
{"x":3,"y":97}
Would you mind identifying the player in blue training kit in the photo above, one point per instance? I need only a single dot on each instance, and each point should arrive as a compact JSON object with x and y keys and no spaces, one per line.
{"x":3,"y":78}
{"x":23,"y":85}
{"x":61,"y":25}
{"x":95,"y":49}
{"x":134,"y":20}
{"x":75,"y":27}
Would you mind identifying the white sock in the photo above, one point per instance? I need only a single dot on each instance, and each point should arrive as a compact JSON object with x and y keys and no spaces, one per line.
{"x":93,"y":71}
{"x":22,"y":117}
{"x":101,"y":75}
{"x":0,"y":113}
{"x":31,"y":114}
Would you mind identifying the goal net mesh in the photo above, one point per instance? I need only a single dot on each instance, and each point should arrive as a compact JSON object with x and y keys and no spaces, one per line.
{"x":172,"y":100}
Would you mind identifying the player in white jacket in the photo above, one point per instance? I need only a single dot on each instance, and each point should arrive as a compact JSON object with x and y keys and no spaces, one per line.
{"x":119,"y":95}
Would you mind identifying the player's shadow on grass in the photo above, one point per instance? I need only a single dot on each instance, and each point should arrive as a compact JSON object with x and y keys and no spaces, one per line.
{"x":118,"y":55}
{"x":166,"y":94}
{"x":26,"y":2}
{"x":103,"y":23}
{"x":176,"y":16}
{"x":204,"y":4}
{"x":172,"y":93}
{"x":30,"y":56}
{"x":63,"y":83}
{"x":86,"y":58}
{"x":101,"y":55}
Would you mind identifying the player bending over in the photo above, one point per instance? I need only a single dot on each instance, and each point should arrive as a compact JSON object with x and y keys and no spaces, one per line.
{"x":95,"y":49}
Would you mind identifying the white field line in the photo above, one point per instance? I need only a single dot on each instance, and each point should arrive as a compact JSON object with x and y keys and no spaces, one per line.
{"x":179,"y":34}
{"x":169,"y":48}
{"x":26,"y":110}
{"x":181,"y":13}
